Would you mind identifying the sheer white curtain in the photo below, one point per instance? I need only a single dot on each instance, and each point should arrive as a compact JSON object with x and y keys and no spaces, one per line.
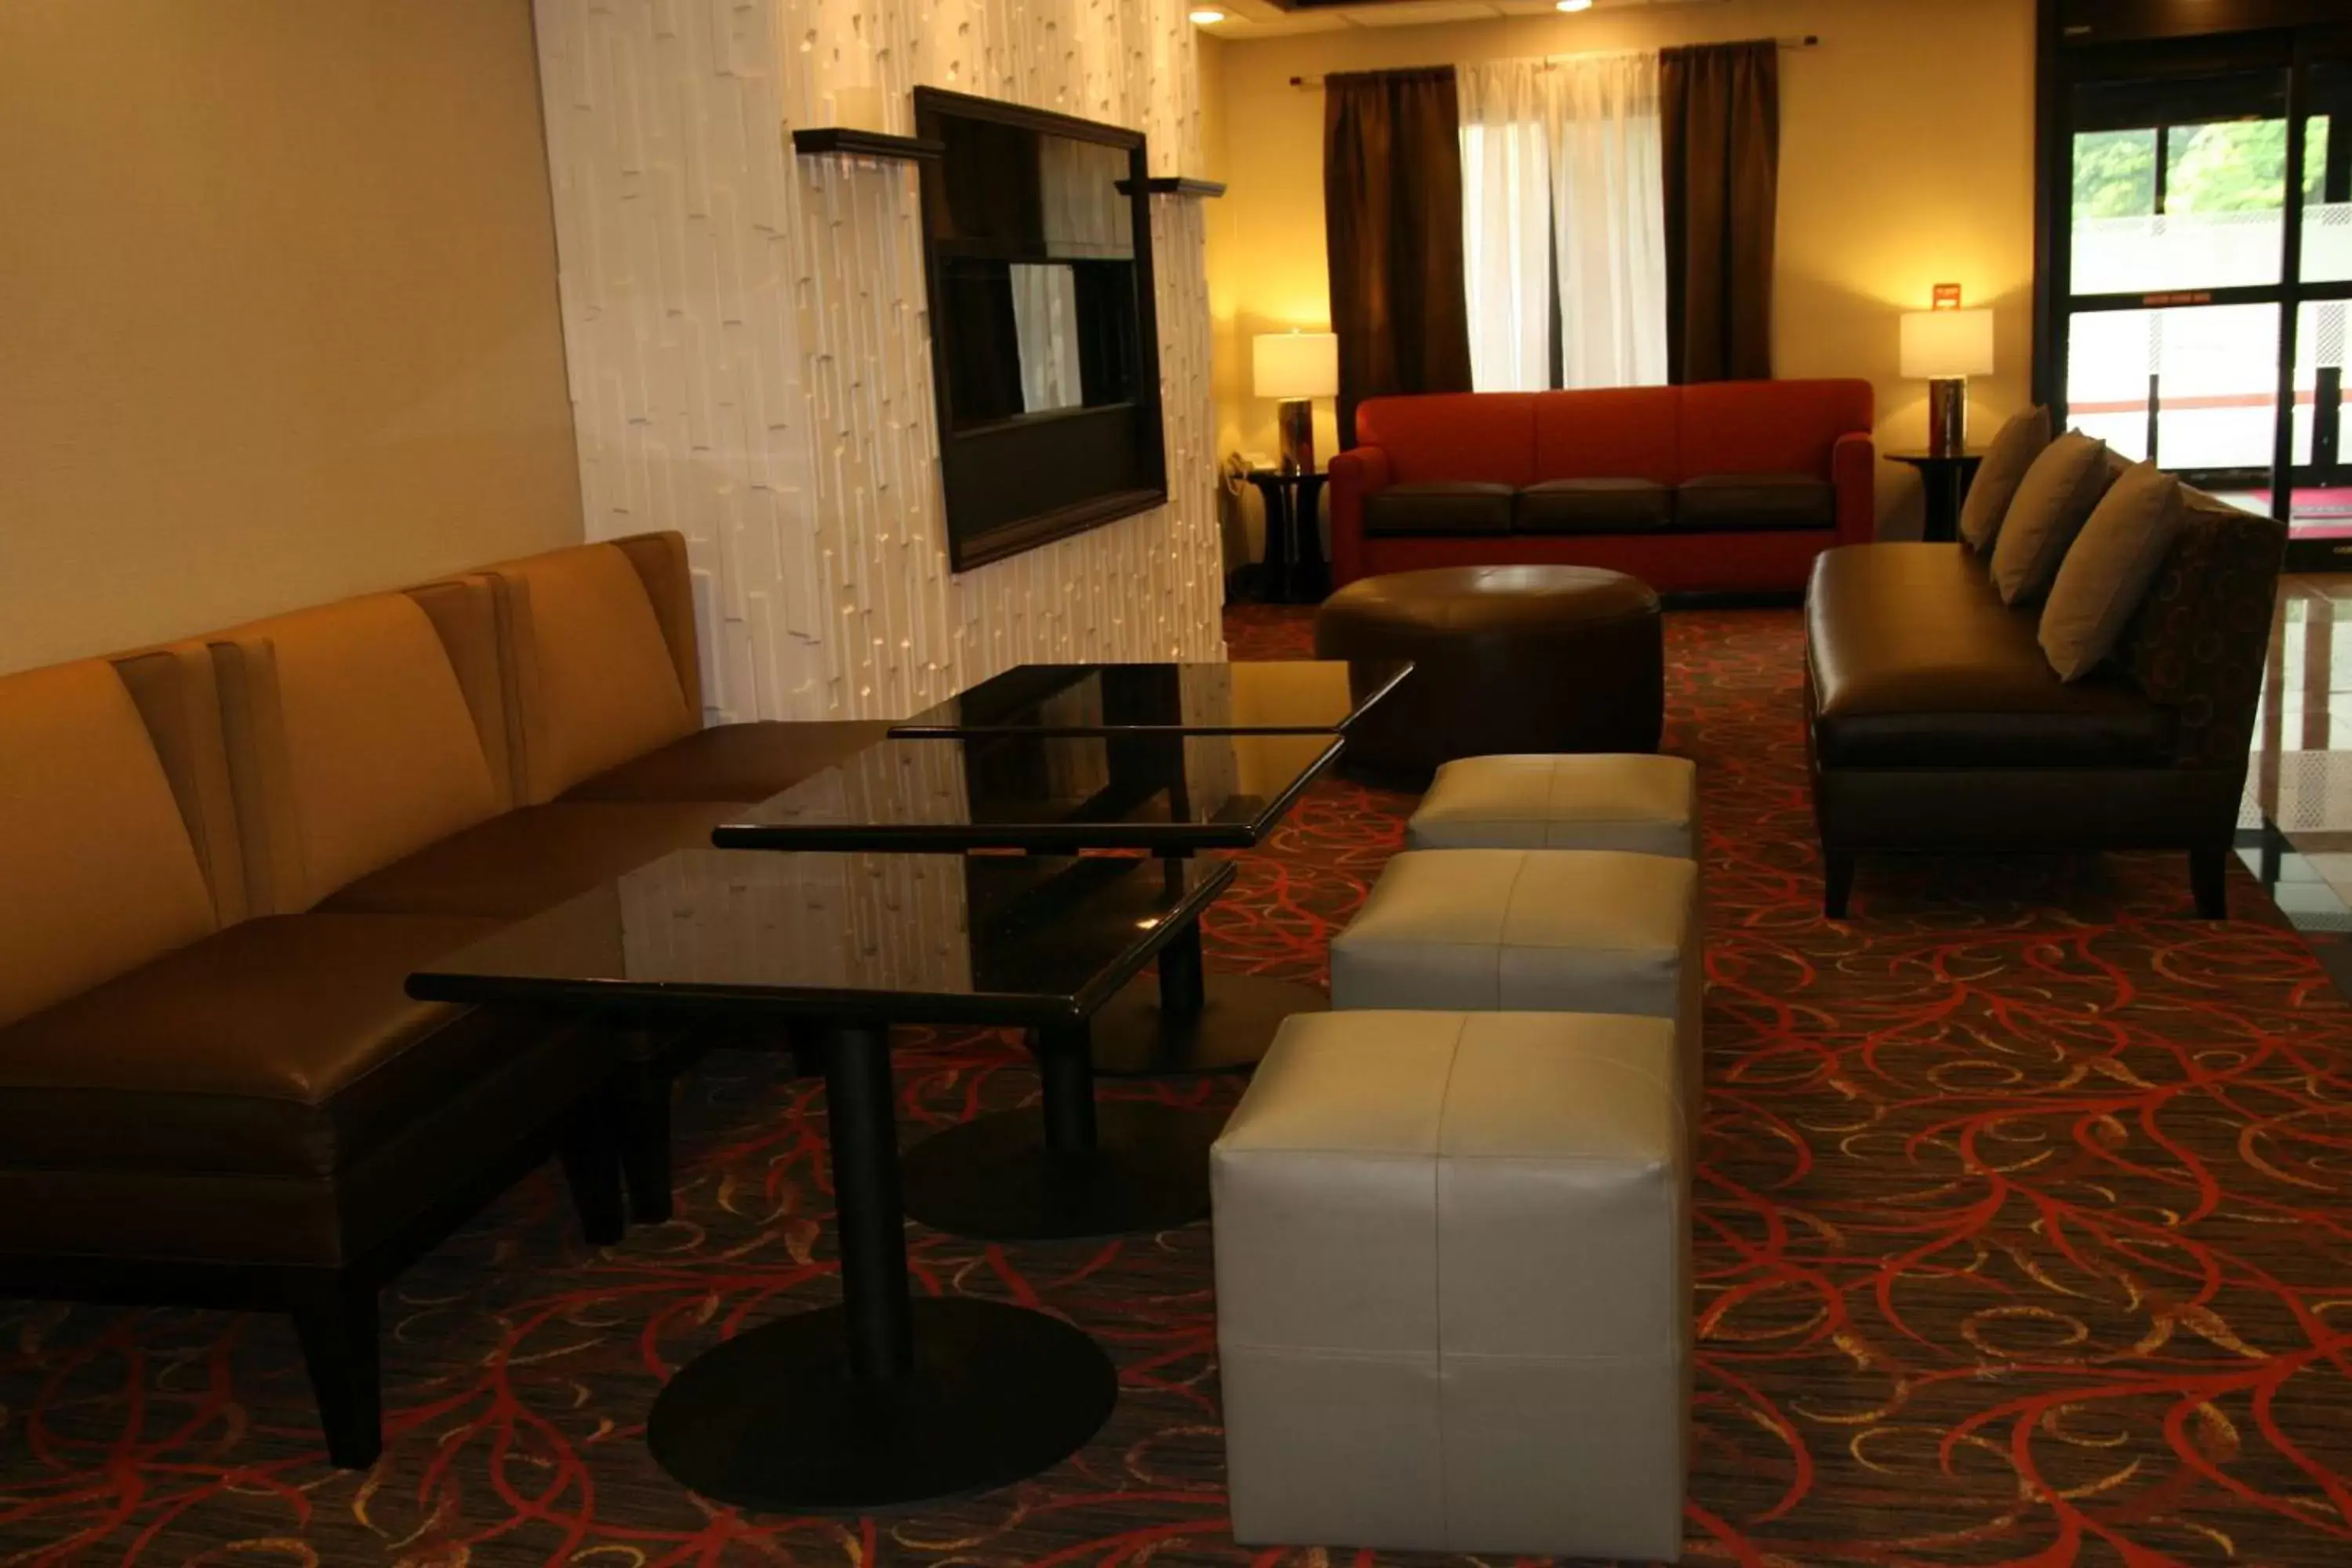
{"x":1564,"y":154}
{"x":1507,"y":223}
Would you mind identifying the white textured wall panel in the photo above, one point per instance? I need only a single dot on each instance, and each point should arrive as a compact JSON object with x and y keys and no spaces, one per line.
{"x":751,"y":350}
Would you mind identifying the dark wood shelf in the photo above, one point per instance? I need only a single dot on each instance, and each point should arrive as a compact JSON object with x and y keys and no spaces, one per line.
{"x":841,"y":142}
{"x":1176,"y":185}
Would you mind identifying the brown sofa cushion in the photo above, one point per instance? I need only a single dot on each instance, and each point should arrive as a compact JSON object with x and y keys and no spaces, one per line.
{"x":734,"y":762}
{"x":354,"y":745}
{"x":1454,"y":507}
{"x":98,"y":872}
{"x":2107,"y":573}
{"x":595,"y":682}
{"x":2004,"y":467}
{"x":1737,"y":503}
{"x":284,"y":1045}
{"x":1917,"y":663}
{"x":516,"y":865}
{"x":1593,"y":506}
{"x":2053,"y":502}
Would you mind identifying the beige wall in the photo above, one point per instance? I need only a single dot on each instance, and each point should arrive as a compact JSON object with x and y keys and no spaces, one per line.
{"x":1906,"y":161}
{"x":278,"y":310}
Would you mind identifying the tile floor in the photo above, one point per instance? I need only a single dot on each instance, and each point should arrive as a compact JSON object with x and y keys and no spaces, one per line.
{"x":2297,"y":830}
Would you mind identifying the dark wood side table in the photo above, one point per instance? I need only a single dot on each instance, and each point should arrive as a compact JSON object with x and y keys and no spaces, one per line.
{"x":1294,"y":571}
{"x":1947,"y":481}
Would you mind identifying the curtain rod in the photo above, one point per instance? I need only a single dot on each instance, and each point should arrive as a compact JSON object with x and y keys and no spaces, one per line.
{"x":1807,"y":41}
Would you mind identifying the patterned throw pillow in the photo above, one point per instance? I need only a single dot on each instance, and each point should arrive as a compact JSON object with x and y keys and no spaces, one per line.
{"x":2003,"y":469}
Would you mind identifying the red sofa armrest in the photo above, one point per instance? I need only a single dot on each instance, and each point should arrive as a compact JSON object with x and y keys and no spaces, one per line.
{"x":1853,"y":471}
{"x":1355,"y":473}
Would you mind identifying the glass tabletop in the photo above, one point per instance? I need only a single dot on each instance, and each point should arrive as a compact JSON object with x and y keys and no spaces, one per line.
{"x":1025,"y":790}
{"x":1275,"y":695}
{"x":1008,"y":940}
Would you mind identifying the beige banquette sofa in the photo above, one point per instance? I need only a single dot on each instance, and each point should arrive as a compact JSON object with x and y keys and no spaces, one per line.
{"x":219,"y":861}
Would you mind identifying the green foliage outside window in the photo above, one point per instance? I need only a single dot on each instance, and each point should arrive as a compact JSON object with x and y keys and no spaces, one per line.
{"x":2230,"y":166}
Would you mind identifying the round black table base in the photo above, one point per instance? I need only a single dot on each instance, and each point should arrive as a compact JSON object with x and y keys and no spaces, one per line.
{"x":1133,"y":1038}
{"x":994,"y":1179}
{"x":773,"y":1421}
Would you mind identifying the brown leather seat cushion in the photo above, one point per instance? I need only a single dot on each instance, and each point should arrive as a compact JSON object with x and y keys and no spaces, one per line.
{"x":733,"y":762}
{"x":284,"y":1047}
{"x":1735,"y":502}
{"x":1455,"y":507}
{"x":1593,"y":506}
{"x":514,"y":865}
{"x":1917,"y":663}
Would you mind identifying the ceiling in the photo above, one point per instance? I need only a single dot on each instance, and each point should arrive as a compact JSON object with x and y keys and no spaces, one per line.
{"x":1282,"y":18}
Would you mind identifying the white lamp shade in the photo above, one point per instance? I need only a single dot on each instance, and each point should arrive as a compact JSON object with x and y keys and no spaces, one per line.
{"x":1295,"y":364}
{"x":1937,"y":343}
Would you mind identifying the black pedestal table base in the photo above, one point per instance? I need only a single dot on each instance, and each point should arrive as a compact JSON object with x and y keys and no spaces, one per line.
{"x":1137,"y":1036}
{"x":999,"y":1179}
{"x":882,"y":1400}
{"x":1069,"y":1168}
{"x":774,"y":1420}
{"x":1186,"y":1022}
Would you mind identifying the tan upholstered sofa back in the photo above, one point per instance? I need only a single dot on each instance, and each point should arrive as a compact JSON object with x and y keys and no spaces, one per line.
{"x":600,"y":658}
{"x":104,"y":861}
{"x":360,"y":732}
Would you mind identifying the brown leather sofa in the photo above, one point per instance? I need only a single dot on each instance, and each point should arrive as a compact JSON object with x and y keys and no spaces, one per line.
{"x":1936,"y":724}
{"x":223,"y":859}
{"x":202,"y":1101}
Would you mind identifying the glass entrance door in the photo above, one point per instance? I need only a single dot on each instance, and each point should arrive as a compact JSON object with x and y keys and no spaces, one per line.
{"x":2208,"y":268}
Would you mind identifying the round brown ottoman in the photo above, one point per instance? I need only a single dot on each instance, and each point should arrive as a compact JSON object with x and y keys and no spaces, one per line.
{"x":1506,"y":659}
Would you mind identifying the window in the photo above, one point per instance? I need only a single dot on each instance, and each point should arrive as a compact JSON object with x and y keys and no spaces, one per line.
{"x":2205,"y":267}
{"x":1563,"y":212}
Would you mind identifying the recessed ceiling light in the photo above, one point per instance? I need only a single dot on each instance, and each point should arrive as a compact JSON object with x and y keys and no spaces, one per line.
{"x":1207,"y":16}
{"x":1575,"y":4}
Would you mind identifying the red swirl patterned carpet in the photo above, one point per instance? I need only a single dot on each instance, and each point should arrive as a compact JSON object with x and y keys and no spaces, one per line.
{"x":2022,"y":1239}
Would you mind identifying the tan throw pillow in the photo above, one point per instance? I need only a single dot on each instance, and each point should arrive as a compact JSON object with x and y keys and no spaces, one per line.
{"x":2053,"y":502}
{"x":2107,"y":573}
{"x":2003,"y":469}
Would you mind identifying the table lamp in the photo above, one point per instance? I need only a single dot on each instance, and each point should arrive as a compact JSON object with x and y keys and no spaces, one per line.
{"x":1944,"y":348}
{"x":1295,"y":368}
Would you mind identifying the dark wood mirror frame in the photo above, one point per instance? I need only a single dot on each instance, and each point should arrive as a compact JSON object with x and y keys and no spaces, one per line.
{"x":1010,"y":485}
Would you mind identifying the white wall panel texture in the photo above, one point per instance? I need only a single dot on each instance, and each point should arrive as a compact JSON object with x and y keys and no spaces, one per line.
{"x":750,"y":349}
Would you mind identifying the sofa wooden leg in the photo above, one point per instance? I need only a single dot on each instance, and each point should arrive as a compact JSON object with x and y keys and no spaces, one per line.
{"x":1837,"y":877}
{"x":2209,"y":877}
{"x":335,"y":1317}
{"x":645,"y":1139}
{"x":590,"y":1149}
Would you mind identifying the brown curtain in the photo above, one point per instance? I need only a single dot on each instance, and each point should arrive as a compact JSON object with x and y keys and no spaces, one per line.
{"x":1393,"y":217}
{"x":1719,"y":108}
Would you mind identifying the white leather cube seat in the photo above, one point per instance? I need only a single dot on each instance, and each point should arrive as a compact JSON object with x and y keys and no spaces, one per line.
{"x":1453,"y":1293}
{"x":1563,"y":930}
{"x":1647,"y":804}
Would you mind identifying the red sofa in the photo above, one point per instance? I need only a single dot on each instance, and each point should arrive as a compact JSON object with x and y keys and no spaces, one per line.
{"x":1725,"y":487}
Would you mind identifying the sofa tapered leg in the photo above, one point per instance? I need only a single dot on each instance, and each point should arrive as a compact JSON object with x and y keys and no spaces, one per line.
{"x":335,"y":1316}
{"x":2209,"y":877}
{"x":1837,"y":877}
{"x":590,"y":1149}
{"x":644,"y":1089}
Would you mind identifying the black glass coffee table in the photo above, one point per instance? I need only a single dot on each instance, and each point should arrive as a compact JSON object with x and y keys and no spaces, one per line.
{"x":888,"y":1398}
{"x":1166,"y":792}
{"x":1243,"y":697}
{"x":1187,"y":1024}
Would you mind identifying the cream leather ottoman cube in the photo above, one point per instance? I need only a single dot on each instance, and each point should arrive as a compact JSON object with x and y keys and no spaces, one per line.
{"x":1554,"y":931}
{"x":1648,"y":804}
{"x":1454,"y":1296}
